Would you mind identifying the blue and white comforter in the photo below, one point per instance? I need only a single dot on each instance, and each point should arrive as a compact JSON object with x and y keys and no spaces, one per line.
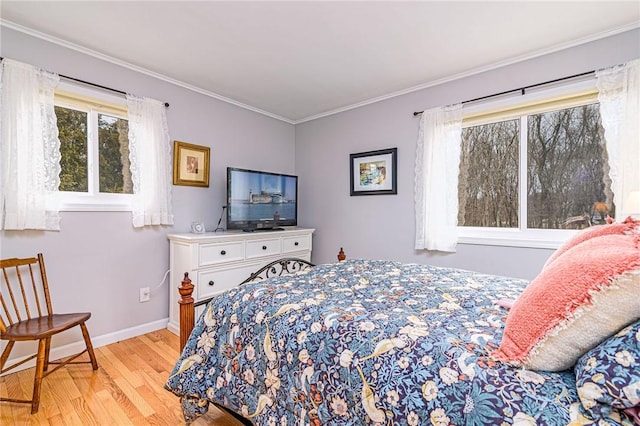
{"x":366,"y":343}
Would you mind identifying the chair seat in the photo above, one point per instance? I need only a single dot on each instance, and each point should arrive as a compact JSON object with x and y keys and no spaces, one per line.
{"x":41,"y":327}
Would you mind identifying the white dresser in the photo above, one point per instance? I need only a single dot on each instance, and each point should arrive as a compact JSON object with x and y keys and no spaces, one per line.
{"x":218,"y":261}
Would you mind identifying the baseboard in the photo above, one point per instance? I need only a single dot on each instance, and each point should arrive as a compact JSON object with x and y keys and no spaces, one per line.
{"x":98,"y":341}
{"x":174,"y":328}
{"x":127,"y":333}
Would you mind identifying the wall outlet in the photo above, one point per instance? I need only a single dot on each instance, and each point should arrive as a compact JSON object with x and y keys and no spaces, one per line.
{"x":145,"y":294}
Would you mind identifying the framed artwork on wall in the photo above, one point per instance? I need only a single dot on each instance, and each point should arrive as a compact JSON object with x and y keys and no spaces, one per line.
{"x":374,"y":172}
{"x":190,"y":164}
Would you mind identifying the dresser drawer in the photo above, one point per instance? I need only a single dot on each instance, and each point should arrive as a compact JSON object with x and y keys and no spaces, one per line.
{"x":225,"y":259}
{"x":210,"y":254}
{"x":261,"y":248}
{"x":291,"y":244}
{"x":213,"y":282}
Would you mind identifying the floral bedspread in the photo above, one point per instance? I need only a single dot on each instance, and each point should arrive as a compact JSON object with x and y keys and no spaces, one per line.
{"x":366,"y":342}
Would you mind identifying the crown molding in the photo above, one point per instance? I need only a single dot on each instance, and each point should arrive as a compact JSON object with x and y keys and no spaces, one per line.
{"x":124,"y":64}
{"x":521,"y":58}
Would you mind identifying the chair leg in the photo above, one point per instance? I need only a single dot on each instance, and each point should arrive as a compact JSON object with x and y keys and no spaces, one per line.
{"x":43,"y":348}
{"x":87,"y":341}
{"x":46,"y":355}
{"x":5,"y":354}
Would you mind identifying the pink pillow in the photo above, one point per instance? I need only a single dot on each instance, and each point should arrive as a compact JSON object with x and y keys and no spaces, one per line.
{"x":592,"y":232}
{"x":585,"y":295}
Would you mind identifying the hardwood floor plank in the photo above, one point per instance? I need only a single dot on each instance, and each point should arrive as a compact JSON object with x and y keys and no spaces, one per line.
{"x":83,"y":411}
{"x":14,"y":387}
{"x":166,"y":350}
{"x":127,"y":389}
{"x":119,"y":394}
{"x":60,"y":394}
{"x":164,"y":414}
{"x":119,"y":369}
{"x":117,"y":414}
{"x":135,"y":398}
{"x":162,"y":336}
{"x":84,"y":379}
{"x":98,"y":410}
{"x":72,"y":418}
{"x":162,"y":398}
{"x":47,"y":401}
{"x":56,"y":420}
{"x":146,"y":359}
{"x":127,"y":355}
{"x":65,"y":382}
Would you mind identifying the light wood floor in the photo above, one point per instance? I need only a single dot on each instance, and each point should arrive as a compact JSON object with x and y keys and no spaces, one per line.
{"x":127,"y":389}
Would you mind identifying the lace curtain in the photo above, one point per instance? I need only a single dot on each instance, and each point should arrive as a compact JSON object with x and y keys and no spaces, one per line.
{"x":150,"y":155}
{"x":29,"y":147}
{"x":436,"y":178}
{"x":619,"y":96}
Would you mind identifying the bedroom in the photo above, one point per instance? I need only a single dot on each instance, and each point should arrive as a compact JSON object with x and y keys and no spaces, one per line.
{"x":104,"y":261}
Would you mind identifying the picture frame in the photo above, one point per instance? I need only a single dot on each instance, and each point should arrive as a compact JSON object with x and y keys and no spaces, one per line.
{"x":190,"y":164}
{"x":374,"y":172}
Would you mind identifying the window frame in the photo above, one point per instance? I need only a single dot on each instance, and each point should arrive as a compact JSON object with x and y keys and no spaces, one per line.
{"x":93,"y":102}
{"x":521,"y":236}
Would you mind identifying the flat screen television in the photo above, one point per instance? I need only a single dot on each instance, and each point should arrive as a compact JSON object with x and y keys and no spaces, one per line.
{"x":261,"y":201}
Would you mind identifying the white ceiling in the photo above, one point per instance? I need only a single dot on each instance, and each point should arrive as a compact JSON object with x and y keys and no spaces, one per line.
{"x":300,"y":60}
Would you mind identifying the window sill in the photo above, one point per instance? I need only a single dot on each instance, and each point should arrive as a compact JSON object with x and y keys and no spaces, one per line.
{"x":545,"y":239}
{"x":68,"y":202}
{"x":84,"y":207}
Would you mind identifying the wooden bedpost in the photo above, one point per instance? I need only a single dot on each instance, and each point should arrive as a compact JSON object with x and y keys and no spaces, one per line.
{"x":187,"y":310}
{"x":341,"y":255}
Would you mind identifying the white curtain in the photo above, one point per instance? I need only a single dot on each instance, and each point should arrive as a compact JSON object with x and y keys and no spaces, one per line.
{"x":436,"y":178}
{"x":619,"y":96}
{"x":150,"y":155}
{"x":29,"y":147}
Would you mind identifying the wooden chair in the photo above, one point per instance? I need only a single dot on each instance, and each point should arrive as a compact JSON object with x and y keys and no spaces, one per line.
{"x":23,"y":318}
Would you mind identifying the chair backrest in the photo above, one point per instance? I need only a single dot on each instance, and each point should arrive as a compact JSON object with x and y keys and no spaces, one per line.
{"x":24,"y":290}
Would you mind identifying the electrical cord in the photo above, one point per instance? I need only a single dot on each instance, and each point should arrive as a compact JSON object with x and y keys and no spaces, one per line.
{"x":219,"y":228}
{"x":161,"y":282}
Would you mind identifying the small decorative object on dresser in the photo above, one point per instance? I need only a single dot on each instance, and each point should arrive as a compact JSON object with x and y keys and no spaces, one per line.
{"x":217,"y":262}
{"x":197,"y":227}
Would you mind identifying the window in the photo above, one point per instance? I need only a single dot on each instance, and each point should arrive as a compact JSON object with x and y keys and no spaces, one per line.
{"x":94,"y":150}
{"x":531,"y":171}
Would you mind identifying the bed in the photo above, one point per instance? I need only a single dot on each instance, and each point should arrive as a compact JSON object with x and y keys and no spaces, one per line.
{"x":370,"y":342}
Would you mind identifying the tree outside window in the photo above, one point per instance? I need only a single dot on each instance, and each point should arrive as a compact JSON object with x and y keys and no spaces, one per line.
{"x":566,"y":171}
{"x":78,"y":150}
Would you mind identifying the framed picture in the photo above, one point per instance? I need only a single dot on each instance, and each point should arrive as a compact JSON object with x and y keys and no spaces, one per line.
{"x":374,"y":172}
{"x":190,"y":164}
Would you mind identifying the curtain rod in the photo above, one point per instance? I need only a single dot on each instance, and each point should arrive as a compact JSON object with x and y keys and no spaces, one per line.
{"x":166,"y":104}
{"x":521,"y":89}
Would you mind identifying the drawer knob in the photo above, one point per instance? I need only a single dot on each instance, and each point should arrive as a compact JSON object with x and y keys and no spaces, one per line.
{"x":211,"y":283}
{"x":296,"y":243}
{"x":223,"y":252}
{"x":264,"y":247}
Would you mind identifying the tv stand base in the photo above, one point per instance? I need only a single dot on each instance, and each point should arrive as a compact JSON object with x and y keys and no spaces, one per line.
{"x":262,"y":229}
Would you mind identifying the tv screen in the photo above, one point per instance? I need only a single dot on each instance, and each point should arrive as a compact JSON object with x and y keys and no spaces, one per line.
{"x":259,"y":200}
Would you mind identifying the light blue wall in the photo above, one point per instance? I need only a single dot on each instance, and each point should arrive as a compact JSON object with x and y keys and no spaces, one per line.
{"x":98,"y":261}
{"x":383,"y":226}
